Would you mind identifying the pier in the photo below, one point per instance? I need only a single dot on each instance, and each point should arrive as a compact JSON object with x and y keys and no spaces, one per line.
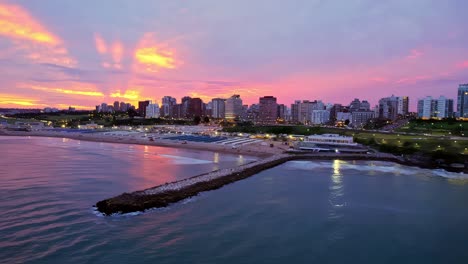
{"x":166,"y":194}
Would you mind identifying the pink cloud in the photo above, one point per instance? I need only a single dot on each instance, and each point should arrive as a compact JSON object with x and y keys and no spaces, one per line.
{"x":463,"y":64}
{"x":414,"y":54}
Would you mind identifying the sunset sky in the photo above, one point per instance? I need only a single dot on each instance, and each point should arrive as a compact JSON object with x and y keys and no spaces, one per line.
{"x":81,"y":53}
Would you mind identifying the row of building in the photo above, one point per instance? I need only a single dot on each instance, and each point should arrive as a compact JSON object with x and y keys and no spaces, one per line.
{"x":442,"y":107}
{"x":269,"y":111}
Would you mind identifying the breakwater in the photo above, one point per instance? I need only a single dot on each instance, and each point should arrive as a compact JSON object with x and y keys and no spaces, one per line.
{"x":166,"y":194}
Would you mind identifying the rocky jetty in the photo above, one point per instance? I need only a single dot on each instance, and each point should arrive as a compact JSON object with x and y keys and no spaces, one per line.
{"x":166,"y":194}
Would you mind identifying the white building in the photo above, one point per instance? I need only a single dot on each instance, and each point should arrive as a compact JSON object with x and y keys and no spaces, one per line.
{"x":429,"y":108}
{"x":320,"y":116}
{"x":233,"y":107}
{"x":152,"y":111}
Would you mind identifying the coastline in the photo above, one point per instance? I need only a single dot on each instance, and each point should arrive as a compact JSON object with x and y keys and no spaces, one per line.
{"x":256,"y":150}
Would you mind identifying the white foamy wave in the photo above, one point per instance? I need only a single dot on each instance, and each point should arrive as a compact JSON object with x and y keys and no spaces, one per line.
{"x":178,"y":160}
{"x":372,"y":167}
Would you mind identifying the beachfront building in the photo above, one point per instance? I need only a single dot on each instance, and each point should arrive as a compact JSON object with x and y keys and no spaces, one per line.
{"x":195,"y":108}
{"x":167,"y":106}
{"x":462,"y":102}
{"x":152,"y":111}
{"x":218,"y":108}
{"x":282,"y":112}
{"x":267,"y":110}
{"x":233,"y":107}
{"x":142,"y":107}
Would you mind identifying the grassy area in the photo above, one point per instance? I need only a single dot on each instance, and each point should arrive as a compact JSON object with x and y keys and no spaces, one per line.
{"x":433,"y":147}
{"x":437,"y":127}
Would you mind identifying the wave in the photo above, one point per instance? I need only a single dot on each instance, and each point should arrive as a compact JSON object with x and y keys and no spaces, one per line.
{"x":374,"y":166}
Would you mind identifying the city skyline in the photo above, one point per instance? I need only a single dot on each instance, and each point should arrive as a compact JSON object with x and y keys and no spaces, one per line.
{"x":308,"y":50}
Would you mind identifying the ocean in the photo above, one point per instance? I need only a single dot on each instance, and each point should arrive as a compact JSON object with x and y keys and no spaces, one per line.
{"x":298,"y":212}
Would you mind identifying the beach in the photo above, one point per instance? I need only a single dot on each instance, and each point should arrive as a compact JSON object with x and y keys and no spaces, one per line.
{"x":259,"y":149}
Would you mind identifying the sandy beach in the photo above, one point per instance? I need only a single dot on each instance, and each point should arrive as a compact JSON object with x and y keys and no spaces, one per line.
{"x":254,"y":149}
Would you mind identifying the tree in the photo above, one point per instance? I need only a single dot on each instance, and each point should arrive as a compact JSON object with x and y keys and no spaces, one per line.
{"x":206,"y":120}
{"x":132,"y":113}
{"x":197,"y":120}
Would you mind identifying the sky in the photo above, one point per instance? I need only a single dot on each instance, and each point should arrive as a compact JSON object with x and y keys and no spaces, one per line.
{"x":60,"y":53}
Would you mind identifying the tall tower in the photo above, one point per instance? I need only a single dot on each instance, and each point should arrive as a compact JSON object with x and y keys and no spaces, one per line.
{"x":462,"y":103}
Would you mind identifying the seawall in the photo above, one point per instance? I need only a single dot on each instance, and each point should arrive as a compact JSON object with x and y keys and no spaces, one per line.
{"x":164,"y":195}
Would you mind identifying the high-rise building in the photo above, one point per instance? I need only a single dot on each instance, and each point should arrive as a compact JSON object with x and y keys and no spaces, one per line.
{"x":142,"y":107}
{"x":233,"y":107}
{"x":462,"y":102}
{"x":295,"y":111}
{"x":320,"y":117}
{"x":334,"y":110}
{"x":429,"y":108}
{"x":355,"y":105}
{"x":444,"y":108}
{"x":268,"y":111}
{"x":195,"y":108}
{"x":152,"y":111}
{"x":167,"y":105}
{"x":360,"y":118}
{"x":116,"y":106}
{"x":123,"y":107}
{"x":388,"y":108}
{"x":218,"y":107}
{"x":185,"y":102}
{"x":281,"y":112}
{"x":403,"y":105}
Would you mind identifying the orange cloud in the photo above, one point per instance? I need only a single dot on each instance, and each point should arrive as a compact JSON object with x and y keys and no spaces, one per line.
{"x":31,"y":38}
{"x":65,"y":106}
{"x":8,"y":100}
{"x":63,"y":91}
{"x":154,"y":56}
{"x":15,"y":22}
{"x":101,"y":46}
{"x":129,"y":95}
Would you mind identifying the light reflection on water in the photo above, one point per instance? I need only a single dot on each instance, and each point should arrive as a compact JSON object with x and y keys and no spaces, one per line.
{"x":298,"y":212}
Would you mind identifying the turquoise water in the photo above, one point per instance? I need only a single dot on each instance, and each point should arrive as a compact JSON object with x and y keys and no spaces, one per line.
{"x":299,"y":212}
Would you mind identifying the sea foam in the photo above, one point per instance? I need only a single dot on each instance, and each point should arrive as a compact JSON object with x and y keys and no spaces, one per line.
{"x":374,"y":166}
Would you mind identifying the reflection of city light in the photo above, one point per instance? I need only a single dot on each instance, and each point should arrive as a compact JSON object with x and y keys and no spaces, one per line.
{"x":336,"y":177}
{"x":146,"y":149}
{"x":216,"y":157}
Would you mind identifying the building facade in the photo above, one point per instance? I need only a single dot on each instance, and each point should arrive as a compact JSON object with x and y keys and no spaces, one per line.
{"x":267,"y":110}
{"x":320,"y":117}
{"x":462,"y":101}
{"x":218,"y":108}
{"x":142,"y":107}
{"x":233,"y":107}
{"x":152,"y":111}
{"x":429,"y":108}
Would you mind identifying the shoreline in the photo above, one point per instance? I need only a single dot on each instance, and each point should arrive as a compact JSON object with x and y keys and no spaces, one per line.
{"x":169,"y":193}
{"x":256,"y":150}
